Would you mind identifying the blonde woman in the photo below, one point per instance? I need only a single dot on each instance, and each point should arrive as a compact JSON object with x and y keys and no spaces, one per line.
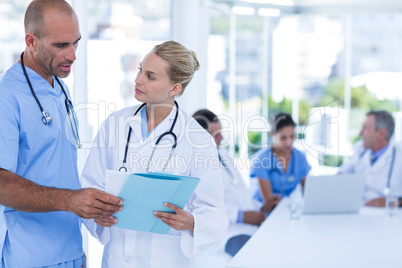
{"x":163,"y":74}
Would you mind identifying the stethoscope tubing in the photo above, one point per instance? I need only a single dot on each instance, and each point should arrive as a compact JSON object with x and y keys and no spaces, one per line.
{"x":123,"y":168}
{"x":46,"y":115}
{"x":391,"y":168}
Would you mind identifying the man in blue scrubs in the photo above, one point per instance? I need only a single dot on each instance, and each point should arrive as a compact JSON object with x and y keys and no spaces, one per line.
{"x":38,"y":171}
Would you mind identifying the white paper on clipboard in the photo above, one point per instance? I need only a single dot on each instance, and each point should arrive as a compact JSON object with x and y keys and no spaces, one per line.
{"x":115,"y":180}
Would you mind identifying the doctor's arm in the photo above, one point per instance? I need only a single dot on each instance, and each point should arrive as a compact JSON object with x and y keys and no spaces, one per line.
{"x":24,"y":195}
{"x":378,"y":202}
{"x":303,"y":182}
{"x":265,"y":189}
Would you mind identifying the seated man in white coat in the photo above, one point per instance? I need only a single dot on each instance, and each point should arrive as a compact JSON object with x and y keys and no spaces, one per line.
{"x":378,"y":158}
{"x":244,"y":213}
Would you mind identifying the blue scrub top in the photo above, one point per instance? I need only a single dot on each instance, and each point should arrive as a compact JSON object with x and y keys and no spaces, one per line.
{"x":265,"y":165}
{"x":44,"y":154}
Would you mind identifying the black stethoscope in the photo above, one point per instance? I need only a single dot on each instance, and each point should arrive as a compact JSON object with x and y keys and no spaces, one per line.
{"x":391,"y":168}
{"x":123,"y":168}
{"x":46,"y":117}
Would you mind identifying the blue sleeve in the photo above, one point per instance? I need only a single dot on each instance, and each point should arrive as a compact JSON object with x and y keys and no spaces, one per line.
{"x":306,"y":166}
{"x":9,"y":132}
{"x":260,"y":164}
{"x":240,"y":217}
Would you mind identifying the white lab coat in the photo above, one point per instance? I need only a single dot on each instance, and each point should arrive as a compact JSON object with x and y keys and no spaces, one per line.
{"x":237,"y":198}
{"x":376,"y":174}
{"x":194,"y":156}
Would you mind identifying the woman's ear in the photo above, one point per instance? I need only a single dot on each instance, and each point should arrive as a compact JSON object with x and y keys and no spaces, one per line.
{"x":176,"y":89}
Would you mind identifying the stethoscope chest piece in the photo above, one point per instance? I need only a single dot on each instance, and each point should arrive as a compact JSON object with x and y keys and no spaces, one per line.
{"x":47,"y":118}
{"x":123,"y":169}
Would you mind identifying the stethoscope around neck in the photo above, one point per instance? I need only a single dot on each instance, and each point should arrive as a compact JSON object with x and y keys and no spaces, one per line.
{"x":46,"y":117}
{"x":123,"y":168}
{"x":276,"y":169}
{"x":387,"y":189}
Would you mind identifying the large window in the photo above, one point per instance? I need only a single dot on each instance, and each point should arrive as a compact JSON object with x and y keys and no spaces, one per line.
{"x":12,"y":32}
{"x":325,"y":70}
{"x":120,"y":35}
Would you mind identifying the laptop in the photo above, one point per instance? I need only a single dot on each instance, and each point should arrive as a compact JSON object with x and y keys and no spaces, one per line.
{"x":333,"y":194}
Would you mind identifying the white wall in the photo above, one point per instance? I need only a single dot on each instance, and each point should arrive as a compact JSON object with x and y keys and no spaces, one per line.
{"x":190,"y":27}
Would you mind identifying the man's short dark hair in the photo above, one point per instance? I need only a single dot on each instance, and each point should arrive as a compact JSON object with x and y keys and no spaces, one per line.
{"x":33,"y":20}
{"x":205,"y":117}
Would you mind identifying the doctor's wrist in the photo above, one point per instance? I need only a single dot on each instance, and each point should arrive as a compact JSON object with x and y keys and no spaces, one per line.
{"x":63,"y":199}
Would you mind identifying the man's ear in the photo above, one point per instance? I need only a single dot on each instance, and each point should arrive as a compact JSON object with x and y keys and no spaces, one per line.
{"x":383,"y":133}
{"x":176,"y":89}
{"x":31,"y":42}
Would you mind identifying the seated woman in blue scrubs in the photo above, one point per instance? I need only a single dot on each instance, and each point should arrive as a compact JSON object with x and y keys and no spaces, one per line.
{"x":281,"y":167}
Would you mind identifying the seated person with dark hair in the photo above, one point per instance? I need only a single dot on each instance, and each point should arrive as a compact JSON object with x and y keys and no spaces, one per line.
{"x":244,"y":214}
{"x":280,"y":167}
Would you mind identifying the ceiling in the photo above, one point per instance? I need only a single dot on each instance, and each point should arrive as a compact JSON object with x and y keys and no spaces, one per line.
{"x":322,"y":6}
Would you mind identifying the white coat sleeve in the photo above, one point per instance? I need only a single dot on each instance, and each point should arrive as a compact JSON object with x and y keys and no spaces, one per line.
{"x":231,"y":202}
{"x":93,"y":176}
{"x":232,"y":213}
{"x":206,"y":204}
{"x":349,"y":166}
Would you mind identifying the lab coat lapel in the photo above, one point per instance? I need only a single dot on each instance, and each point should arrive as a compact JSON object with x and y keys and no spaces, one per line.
{"x":134,"y":121}
{"x":384,"y":161}
{"x":163,"y":150}
{"x":377,"y":175}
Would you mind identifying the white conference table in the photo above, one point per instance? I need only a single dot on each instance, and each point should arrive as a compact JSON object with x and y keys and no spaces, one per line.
{"x":368,"y":239}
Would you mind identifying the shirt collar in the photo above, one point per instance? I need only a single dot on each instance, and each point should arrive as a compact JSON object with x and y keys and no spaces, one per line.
{"x":379,"y":152}
{"x":144,"y":124}
{"x":40,"y":85}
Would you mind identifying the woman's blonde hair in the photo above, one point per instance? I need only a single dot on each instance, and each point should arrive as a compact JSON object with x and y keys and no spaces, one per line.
{"x":182,"y":62}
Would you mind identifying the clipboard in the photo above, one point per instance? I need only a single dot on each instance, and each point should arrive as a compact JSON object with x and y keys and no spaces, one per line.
{"x":144,"y":193}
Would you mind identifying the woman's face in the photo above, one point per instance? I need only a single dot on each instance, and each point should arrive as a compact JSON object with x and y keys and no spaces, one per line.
{"x":284,"y":138}
{"x":152,"y":84}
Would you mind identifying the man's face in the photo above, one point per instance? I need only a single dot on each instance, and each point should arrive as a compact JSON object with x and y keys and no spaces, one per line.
{"x":56,"y":48}
{"x":368,"y":133}
{"x":216,"y":128}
